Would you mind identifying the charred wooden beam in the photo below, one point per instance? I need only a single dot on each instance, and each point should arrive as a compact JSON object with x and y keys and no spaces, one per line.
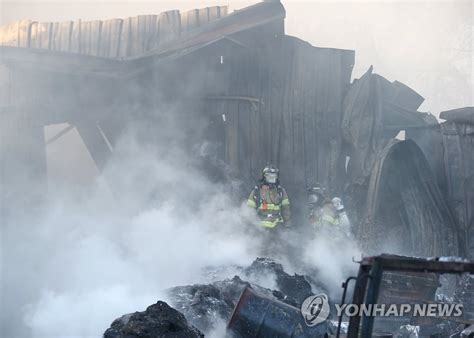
{"x":460,"y":115}
{"x":235,"y":98}
{"x":95,"y":141}
{"x":414,"y":126}
{"x":60,"y":134}
{"x":60,"y":62}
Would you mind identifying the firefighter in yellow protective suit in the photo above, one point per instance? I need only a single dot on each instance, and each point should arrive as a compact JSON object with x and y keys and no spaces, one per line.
{"x":270,"y":200}
{"x":326,"y":214}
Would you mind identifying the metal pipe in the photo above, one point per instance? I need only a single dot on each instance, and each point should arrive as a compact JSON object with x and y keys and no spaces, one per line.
{"x":343,"y":300}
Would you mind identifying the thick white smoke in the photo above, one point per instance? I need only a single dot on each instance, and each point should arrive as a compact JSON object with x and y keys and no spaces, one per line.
{"x":332,"y":256}
{"x":152,"y":221}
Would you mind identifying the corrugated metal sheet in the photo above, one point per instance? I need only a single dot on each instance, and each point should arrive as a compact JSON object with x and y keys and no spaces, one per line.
{"x":375,"y":110}
{"x":296,"y":125}
{"x":406,"y":212}
{"x":109,"y":38}
{"x":460,"y":115}
{"x":458,"y":142}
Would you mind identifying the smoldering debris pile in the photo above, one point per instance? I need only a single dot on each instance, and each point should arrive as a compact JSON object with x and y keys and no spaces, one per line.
{"x":264,"y":293}
{"x":204,"y":305}
{"x":207,"y":305}
{"x":295,"y":288}
{"x":158,"y":320}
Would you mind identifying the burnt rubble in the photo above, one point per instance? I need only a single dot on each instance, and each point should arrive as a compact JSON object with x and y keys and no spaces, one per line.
{"x":158,"y":320}
{"x":205,"y":305}
{"x":295,"y":288}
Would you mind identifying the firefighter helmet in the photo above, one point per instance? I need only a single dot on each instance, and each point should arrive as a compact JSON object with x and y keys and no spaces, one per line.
{"x":316,"y":194}
{"x":270,"y":174}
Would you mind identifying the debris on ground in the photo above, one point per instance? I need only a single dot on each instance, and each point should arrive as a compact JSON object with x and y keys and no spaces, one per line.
{"x":157,"y":321}
{"x":295,"y":288}
{"x":204,"y":305}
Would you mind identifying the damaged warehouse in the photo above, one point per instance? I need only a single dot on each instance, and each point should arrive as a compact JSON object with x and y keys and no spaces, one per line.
{"x":237,"y":92}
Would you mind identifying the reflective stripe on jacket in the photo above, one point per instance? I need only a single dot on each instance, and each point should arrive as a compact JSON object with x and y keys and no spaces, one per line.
{"x":272,"y":205}
{"x":325,"y":216}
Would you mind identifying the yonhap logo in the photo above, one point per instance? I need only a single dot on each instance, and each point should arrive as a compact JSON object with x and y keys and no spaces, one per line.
{"x":315,"y":309}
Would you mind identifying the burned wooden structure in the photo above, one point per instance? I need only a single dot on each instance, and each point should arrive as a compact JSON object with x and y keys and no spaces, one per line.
{"x":397,"y":187}
{"x":280,"y":97}
{"x":265,"y":96}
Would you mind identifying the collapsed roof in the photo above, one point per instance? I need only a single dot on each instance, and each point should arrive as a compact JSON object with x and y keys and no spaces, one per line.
{"x":267,"y":97}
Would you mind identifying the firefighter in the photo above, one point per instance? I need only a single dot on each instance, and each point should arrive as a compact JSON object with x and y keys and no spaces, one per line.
{"x":326,"y":214}
{"x":270,"y":200}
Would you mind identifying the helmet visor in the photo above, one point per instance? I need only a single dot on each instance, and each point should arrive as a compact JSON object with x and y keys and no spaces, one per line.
{"x":313,"y":199}
{"x":271,"y":177}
